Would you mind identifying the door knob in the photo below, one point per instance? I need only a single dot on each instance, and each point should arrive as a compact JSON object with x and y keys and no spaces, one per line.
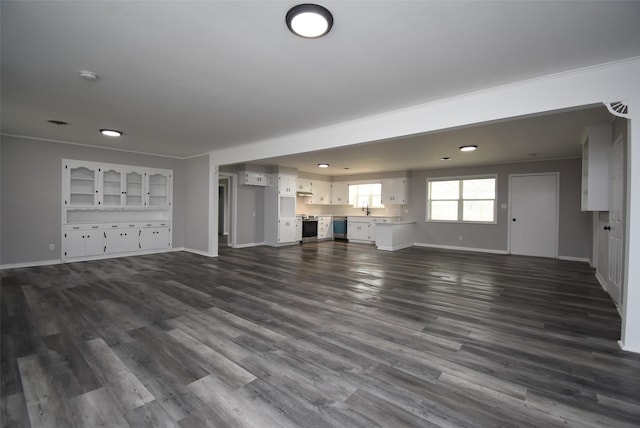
{"x":607,"y":228}
{"x":513,"y":219}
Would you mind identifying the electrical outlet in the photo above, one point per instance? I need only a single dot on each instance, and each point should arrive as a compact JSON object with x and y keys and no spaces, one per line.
{"x":52,"y":247}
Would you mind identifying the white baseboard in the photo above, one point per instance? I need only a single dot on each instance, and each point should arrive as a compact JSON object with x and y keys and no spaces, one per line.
{"x":395,"y":247}
{"x":452,"y":247}
{"x":575,"y":259}
{"x":622,"y":346}
{"x":251,"y":244}
{"x":198,"y":252}
{"x":30,"y":264}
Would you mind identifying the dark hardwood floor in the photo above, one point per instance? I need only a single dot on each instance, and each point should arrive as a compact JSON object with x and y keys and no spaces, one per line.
{"x":321,"y":335}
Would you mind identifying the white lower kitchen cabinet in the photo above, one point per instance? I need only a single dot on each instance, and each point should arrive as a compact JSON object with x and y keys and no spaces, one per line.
{"x":83,"y":240}
{"x":155,"y":236}
{"x":360,"y":229}
{"x":122,"y":237}
{"x":287,"y":229}
{"x":299,"y":229}
{"x":325,"y":227}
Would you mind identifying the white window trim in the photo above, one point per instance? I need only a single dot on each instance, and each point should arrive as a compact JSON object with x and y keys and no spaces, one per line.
{"x":358,"y":182}
{"x":461,"y":201}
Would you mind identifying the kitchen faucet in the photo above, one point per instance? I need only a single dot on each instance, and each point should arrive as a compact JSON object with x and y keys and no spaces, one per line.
{"x":366,"y":205}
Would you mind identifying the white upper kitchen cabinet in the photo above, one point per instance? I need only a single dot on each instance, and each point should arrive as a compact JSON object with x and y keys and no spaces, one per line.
{"x":134,"y":190}
{"x":158,"y":184}
{"x":251,"y":178}
{"x":321,"y":193}
{"x":303,"y":185}
{"x":80,"y":184}
{"x":340,"y":193}
{"x":112,"y":192}
{"x":395,"y":191}
{"x":287,"y":185}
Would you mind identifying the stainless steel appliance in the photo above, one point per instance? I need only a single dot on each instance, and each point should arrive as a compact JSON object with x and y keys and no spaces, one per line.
{"x":339,"y":227}
{"x":309,"y":228}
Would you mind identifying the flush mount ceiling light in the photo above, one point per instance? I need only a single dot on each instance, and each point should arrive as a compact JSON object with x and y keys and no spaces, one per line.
{"x":468,"y":148}
{"x":323,"y":165}
{"x":111,"y":132}
{"x":309,"y":20}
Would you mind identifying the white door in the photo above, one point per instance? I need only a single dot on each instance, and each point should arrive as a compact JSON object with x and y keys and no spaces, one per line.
{"x":616,"y":225}
{"x":533,"y":218}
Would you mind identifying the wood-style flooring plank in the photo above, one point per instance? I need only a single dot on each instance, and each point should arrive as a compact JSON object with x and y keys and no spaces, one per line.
{"x":327,"y":334}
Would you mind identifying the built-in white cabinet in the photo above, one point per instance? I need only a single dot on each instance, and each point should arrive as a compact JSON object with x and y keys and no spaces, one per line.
{"x":155,"y":236}
{"x":251,"y":178}
{"x":321,"y":193}
{"x":83,"y":240}
{"x":121,"y":237}
{"x":110,"y":210}
{"x":340,"y":193}
{"x":158,"y":187}
{"x":359,"y":229}
{"x":287,"y":185}
{"x":363,"y":229}
{"x":303,"y":185}
{"x":106,"y":186}
{"x":280,"y":211}
{"x":394,"y":191}
{"x":81,"y":184}
{"x":595,"y":168}
{"x":298,"y":229}
{"x":134,"y":188}
{"x":287,"y":230}
{"x":325,"y":227}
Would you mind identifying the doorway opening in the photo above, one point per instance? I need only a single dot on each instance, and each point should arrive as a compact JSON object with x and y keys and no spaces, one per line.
{"x":225,"y":210}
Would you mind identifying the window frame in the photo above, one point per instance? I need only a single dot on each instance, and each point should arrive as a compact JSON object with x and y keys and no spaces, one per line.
{"x":371,"y":195}
{"x":461,"y":199}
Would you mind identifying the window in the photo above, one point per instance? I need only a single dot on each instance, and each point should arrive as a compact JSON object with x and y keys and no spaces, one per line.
{"x":366,"y":195}
{"x":462,"y":199}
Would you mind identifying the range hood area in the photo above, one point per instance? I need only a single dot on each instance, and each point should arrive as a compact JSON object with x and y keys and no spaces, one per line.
{"x":304,"y":193}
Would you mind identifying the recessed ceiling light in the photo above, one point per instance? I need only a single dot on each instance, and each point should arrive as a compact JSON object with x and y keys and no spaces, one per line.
{"x":468,"y":148}
{"x":58,"y":122}
{"x":88,"y":75}
{"x":323,"y":165}
{"x":309,"y":20}
{"x":446,"y":158}
{"x":111,"y":132}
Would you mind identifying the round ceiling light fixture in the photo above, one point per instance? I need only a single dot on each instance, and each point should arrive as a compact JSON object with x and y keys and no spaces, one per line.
{"x":309,"y":20}
{"x":323,"y":165}
{"x":111,"y":132}
{"x":468,"y":148}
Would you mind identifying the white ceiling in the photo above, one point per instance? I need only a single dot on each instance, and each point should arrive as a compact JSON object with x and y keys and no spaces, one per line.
{"x":183,"y":78}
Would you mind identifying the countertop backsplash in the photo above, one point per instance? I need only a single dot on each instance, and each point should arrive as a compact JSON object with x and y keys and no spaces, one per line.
{"x":345,"y":210}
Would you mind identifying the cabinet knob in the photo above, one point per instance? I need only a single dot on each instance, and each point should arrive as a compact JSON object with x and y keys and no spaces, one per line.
{"x":607,"y":228}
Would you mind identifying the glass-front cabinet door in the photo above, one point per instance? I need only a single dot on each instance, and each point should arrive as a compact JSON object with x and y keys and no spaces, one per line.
{"x":112,"y":193}
{"x":158,"y":188}
{"x":134,"y":189}
{"x":81,"y":182}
